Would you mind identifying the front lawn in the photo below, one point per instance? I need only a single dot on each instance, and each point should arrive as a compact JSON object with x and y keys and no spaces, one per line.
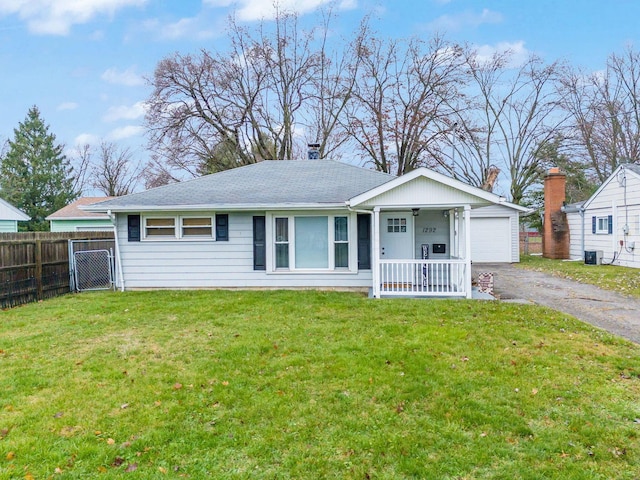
{"x":307,"y":385}
{"x":624,"y":280}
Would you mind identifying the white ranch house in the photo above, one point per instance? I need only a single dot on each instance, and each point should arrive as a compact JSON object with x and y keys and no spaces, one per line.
{"x":609,"y":221}
{"x":312,"y":224}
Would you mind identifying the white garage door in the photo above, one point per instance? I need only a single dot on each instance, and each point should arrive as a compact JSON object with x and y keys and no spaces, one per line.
{"x":490,"y":240}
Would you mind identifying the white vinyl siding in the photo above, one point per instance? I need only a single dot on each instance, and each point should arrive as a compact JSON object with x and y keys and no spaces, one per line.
{"x":197,"y":264}
{"x":610,"y":200}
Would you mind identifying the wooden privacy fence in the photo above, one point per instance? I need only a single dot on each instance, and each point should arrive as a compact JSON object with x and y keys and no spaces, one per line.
{"x":35,"y":265}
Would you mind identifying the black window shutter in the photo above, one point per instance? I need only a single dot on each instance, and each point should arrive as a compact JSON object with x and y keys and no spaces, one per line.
{"x":610,"y":224}
{"x":593,"y":224}
{"x":133,"y":228}
{"x":259,"y":243}
{"x":364,"y":241}
{"x":222,"y":227}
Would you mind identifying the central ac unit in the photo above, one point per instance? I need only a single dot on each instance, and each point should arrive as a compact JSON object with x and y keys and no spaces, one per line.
{"x":593,"y":257}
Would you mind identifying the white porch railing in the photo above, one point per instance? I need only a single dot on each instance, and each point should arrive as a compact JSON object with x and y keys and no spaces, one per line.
{"x":437,"y":278}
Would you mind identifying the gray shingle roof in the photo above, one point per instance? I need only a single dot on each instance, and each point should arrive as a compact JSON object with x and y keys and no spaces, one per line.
{"x":272,"y":182}
{"x":634,"y":167}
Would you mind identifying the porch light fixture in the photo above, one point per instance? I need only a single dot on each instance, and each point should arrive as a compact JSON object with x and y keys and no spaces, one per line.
{"x":415,"y":211}
{"x":445,"y":213}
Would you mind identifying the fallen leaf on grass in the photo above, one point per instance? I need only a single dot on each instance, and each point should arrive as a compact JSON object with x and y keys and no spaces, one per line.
{"x":132,"y":467}
{"x":58,"y":414}
{"x":110,"y":441}
{"x":117,"y":462}
{"x":124,"y":405}
{"x":28,"y":476}
{"x":177,"y":386}
{"x":11,"y":455}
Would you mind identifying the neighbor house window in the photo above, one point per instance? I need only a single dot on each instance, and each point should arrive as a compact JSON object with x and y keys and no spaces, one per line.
{"x":197,"y":227}
{"x":603,"y":225}
{"x":311,"y":242}
{"x":282,"y":243}
{"x":160,"y":227}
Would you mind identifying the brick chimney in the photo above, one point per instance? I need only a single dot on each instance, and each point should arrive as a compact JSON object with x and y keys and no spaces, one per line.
{"x":555,"y":231}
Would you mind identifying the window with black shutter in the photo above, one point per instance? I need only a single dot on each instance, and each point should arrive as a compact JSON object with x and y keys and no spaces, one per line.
{"x":364,"y":242}
{"x":222,"y":227}
{"x":259,"y":243}
{"x":133,"y":228}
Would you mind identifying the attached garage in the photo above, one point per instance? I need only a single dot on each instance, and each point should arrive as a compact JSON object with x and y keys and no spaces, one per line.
{"x":494,"y":235}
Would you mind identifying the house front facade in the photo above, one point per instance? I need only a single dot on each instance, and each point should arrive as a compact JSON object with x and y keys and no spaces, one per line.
{"x":608,"y":223}
{"x":303,"y":224}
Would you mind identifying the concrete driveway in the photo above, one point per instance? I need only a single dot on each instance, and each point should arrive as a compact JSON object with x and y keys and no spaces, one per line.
{"x":608,"y":310}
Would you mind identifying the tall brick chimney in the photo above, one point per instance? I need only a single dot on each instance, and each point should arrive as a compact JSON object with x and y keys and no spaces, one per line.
{"x":555,"y":231}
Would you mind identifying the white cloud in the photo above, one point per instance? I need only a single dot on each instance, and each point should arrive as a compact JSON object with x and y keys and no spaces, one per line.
{"x":125,"y":112}
{"x":519,"y":54}
{"x":125,"y":132}
{"x":250,"y":10}
{"x":128,"y":77}
{"x":467,"y":19}
{"x":55,"y":17}
{"x":86,"y":139}
{"x":67,"y":106}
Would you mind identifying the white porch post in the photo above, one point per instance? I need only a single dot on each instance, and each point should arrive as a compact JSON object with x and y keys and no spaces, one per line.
{"x":375,"y":265}
{"x":467,"y":249}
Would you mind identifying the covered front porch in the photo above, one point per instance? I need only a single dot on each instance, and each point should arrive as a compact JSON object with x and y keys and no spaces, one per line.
{"x":421,"y":234}
{"x":422,"y":251}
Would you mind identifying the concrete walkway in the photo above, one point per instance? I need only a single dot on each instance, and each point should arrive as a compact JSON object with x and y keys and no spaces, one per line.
{"x":608,"y":310}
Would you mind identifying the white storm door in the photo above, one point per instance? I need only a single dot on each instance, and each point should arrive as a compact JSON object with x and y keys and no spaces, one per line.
{"x":396,"y":235}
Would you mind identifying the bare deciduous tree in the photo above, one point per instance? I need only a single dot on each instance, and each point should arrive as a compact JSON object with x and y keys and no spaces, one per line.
{"x":605,"y":112}
{"x":400,"y":98}
{"x":514,"y":111}
{"x":250,"y":101}
{"x":114,"y":173}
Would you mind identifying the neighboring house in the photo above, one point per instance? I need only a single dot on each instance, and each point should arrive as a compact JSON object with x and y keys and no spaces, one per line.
{"x":10,"y":216}
{"x":72,"y":219}
{"x":609,"y":221}
{"x":312,"y":224}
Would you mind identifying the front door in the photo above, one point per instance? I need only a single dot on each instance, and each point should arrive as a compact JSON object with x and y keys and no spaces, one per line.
{"x":396,"y":235}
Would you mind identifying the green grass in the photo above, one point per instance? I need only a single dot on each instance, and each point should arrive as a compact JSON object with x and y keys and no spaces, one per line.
{"x":623,"y":280}
{"x":301,"y":385}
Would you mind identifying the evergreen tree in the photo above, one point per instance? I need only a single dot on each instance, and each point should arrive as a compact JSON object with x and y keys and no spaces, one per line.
{"x":35,"y":175}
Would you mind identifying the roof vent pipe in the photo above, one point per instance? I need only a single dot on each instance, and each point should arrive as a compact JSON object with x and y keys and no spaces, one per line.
{"x":313,"y":151}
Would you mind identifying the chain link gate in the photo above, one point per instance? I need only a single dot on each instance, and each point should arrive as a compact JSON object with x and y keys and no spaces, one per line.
{"x":91,"y":265}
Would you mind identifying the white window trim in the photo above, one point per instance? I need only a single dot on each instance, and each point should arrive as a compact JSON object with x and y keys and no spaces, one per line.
{"x":352,"y":241}
{"x":177,"y":229}
{"x":197,"y":237}
{"x":600,"y":231}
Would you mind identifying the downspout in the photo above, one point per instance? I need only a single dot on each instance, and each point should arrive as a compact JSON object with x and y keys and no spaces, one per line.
{"x":113,"y":219}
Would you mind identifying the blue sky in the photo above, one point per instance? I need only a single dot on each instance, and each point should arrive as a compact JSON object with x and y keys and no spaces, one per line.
{"x":84,"y":63}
